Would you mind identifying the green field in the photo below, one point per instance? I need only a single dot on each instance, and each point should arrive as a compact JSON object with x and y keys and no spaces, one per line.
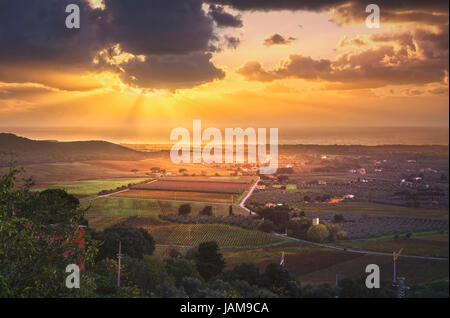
{"x":92,"y":187}
{"x":110,"y":206}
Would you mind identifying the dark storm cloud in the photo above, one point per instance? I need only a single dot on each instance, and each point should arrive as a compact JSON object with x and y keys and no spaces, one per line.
{"x":158,"y":26}
{"x":223,"y":18}
{"x":347,"y":11}
{"x":317,"y":5}
{"x":171,"y":71}
{"x":33,"y":33}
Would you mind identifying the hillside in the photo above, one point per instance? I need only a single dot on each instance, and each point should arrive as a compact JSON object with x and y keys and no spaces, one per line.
{"x":27,"y":151}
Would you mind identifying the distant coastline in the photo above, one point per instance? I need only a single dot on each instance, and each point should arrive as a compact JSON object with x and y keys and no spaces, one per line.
{"x":345,"y":136}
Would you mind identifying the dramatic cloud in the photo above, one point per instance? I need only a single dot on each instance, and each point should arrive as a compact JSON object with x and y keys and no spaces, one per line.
{"x":22,"y":91}
{"x":171,"y":71}
{"x":348,"y":11}
{"x":162,"y":31}
{"x":232,"y":42}
{"x":223,"y":18}
{"x":421,"y":58}
{"x":277,"y":39}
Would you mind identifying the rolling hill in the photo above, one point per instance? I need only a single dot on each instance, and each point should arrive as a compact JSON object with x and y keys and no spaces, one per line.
{"x":27,"y":151}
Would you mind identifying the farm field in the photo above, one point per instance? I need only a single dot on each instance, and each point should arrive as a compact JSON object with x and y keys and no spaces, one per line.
{"x":224,"y":235}
{"x":427,"y":245}
{"x":377,"y":210}
{"x":118,"y":206}
{"x":99,"y":223}
{"x":228,"y":179}
{"x":49,"y":173}
{"x":109,"y":206}
{"x":368,"y":226}
{"x":312,"y":264}
{"x":91,"y":187}
{"x":194,"y":186}
{"x":178,"y":196}
{"x":414,"y":270}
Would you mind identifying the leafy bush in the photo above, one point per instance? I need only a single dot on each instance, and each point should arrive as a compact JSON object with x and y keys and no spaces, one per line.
{"x":267,"y":226}
{"x":318,"y":233}
{"x":184,"y":209}
{"x":207,"y":211}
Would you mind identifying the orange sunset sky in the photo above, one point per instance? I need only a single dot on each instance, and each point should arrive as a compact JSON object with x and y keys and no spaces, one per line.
{"x":161,"y":64}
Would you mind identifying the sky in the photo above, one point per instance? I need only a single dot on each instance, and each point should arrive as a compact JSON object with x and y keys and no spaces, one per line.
{"x":135,"y":70}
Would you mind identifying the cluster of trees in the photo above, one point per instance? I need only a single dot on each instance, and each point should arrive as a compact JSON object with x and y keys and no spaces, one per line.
{"x":185,"y":209}
{"x":279,"y":219}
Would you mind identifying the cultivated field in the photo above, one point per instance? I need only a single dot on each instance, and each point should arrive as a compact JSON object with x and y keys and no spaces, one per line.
{"x":194,"y":234}
{"x":194,"y":186}
{"x":117,"y":206}
{"x":178,"y":196}
{"x":364,"y":226}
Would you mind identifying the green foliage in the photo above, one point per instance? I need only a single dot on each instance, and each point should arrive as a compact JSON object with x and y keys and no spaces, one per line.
{"x":299,"y":227}
{"x":267,"y":226}
{"x":34,"y":249}
{"x":318,"y":233}
{"x":135,"y":242}
{"x":207,"y":211}
{"x":184,"y":209}
{"x":278,"y":280}
{"x":148,"y":273}
{"x":244,"y":272}
{"x":179,"y":269}
{"x":208,"y":260}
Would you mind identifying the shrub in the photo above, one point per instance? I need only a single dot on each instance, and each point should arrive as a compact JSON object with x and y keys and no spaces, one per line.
{"x":267,"y":226}
{"x":318,"y":233}
{"x":184,"y":209}
{"x":207,"y":211}
{"x":338,"y":218}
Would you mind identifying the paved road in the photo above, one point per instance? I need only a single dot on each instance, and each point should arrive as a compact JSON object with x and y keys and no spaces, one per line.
{"x":242,"y":204}
{"x":360,"y":251}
